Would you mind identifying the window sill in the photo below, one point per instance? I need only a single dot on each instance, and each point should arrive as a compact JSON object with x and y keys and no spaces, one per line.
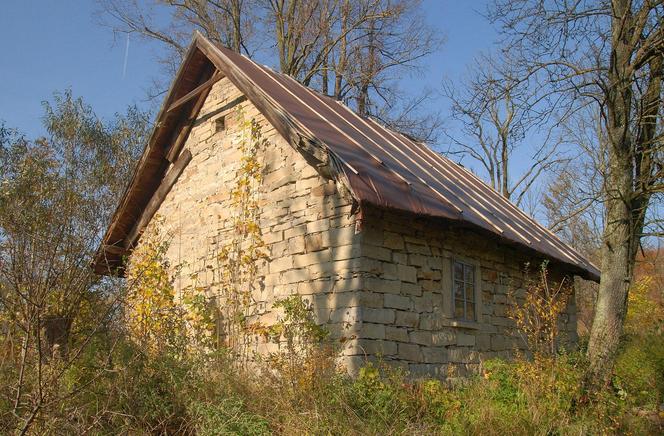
{"x":470,"y":325}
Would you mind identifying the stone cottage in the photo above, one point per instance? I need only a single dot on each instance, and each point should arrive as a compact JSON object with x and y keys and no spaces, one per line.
{"x":401,"y":251}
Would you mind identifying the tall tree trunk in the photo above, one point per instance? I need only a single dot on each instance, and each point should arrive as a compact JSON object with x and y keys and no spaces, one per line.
{"x":620,"y":237}
{"x":626,"y":209}
{"x":618,"y":255}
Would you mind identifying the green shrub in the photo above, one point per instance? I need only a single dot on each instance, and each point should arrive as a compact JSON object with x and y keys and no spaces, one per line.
{"x":640,"y":370}
{"x":227,"y":416}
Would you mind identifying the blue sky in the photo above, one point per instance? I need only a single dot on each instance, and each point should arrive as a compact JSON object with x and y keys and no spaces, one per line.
{"x":50,"y":46}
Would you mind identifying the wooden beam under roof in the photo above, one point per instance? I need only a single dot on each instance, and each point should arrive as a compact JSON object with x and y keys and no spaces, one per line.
{"x":187,"y":121}
{"x":205,"y":86}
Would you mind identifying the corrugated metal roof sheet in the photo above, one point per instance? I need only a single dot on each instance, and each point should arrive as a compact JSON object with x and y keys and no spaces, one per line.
{"x":379,"y":166}
{"x":391,"y":170}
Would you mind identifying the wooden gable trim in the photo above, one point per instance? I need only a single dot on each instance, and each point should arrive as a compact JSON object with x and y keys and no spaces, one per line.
{"x":157,"y":198}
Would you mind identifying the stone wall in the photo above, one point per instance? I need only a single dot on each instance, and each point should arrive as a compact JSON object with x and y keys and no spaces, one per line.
{"x":407,"y":266}
{"x":382,"y":282}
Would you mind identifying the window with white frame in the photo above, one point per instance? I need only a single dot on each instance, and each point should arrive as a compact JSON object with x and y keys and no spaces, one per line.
{"x":463,"y":291}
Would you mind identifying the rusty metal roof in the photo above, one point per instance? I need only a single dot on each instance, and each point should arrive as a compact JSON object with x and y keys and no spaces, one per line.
{"x":383,"y":167}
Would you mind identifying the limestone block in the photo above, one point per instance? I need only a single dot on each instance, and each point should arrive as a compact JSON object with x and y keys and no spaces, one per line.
{"x":290,"y":232}
{"x":318,"y":226}
{"x":418,"y":248}
{"x":500,"y":343}
{"x":313,"y":242}
{"x":409,"y":352}
{"x":281,"y":264}
{"x":429,"y":285}
{"x":424,"y":303}
{"x":372,"y":331}
{"x":434,"y":354}
{"x":444,"y":337}
{"x":375,"y":252}
{"x":324,"y":190}
{"x":399,"y":334}
{"x":417,"y":260}
{"x":408,"y":319}
{"x":430,"y":274}
{"x":397,"y":302}
{"x":464,"y":340}
{"x":346,"y":252}
{"x":393,"y":241}
{"x":350,"y":315}
{"x":383,"y":286}
{"x":381,"y":316}
{"x":339,"y":236}
{"x":318,"y":286}
{"x":463,"y":355}
{"x":427,"y":370}
{"x":308,"y":259}
{"x":370,"y":299}
{"x":407,"y":273}
{"x":295,"y":275}
{"x":421,"y":337}
{"x":388,"y":271}
{"x":308,"y":183}
{"x":483,"y":342}
{"x":370,"y":346}
{"x":411,"y":289}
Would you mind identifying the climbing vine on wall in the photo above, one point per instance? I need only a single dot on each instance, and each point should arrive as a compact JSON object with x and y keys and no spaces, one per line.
{"x":243,"y":247}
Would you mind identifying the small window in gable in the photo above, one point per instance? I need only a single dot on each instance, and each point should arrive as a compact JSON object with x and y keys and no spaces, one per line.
{"x":463,"y":291}
{"x":220,"y":124}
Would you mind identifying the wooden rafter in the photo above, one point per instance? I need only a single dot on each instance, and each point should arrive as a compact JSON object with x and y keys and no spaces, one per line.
{"x":205,"y":86}
{"x":187,"y":122}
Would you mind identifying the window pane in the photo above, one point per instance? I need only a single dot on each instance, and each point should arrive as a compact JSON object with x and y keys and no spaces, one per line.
{"x":468,"y":271}
{"x":458,"y":290}
{"x":458,"y":271}
{"x":470,"y":311}
{"x":458,"y":309}
{"x":470,"y":292}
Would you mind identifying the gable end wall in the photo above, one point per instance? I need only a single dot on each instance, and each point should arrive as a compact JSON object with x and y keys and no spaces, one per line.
{"x":305,"y":222}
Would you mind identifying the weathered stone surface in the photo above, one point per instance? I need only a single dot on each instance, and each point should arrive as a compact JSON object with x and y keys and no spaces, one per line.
{"x":397,"y":302}
{"x":464,"y":340}
{"x":434,"y":354}
{"x":372,"y":331}
{"x":313,"y":242}
{"x":410,"y":352}
{"x":370,"y":347}
{"x":381,"y":316}
{"x":399,"y":334}
{"x":408,"y":319}
{"x":444,"y":337}
{"x":382,"y":283}
{"x":407,"y":273}
{"x":393,"y":241}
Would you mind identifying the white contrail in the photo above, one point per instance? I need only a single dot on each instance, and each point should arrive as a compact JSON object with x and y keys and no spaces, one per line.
{"x":126,"y":56}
